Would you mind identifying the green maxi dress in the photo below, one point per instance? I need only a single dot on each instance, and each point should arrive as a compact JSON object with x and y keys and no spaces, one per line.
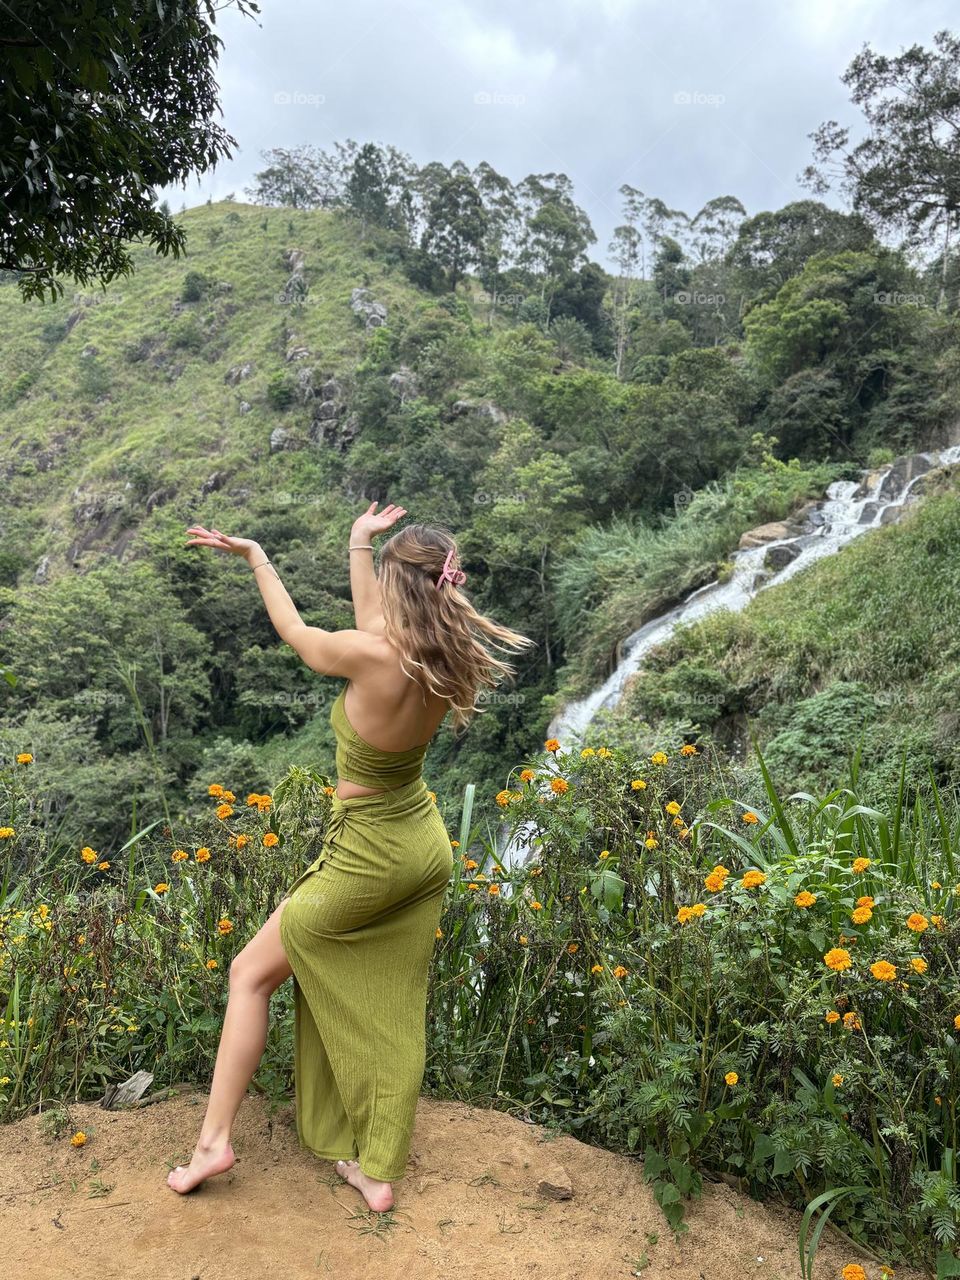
{"x":359,"y":932}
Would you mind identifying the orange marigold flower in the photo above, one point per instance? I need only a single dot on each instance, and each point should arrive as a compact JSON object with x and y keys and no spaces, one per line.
{"x":938,"y":921}
{"x":559,"y":785}
{"x":103,"y":866}
{"x":861,"y":915}
{"x":604,"y":853}
{"x":552,"y":744}
{"x":684,"y":914}
{"x":837,"y":1080}
{"x":203,"y":854}
{"x":439,"y":933}
{"x":917,"y":922}
{"x":659,"y":757}
{"x":672,"y":808}
{"x":652,"y":842}
{"x":523,"y":939}
{"x":224,"y":811}
{"x":698,"y":909}
{"x":212,"y":964}
{"x":24,"y":758}
{"x":731,"y":1078}
{"x":88,"y":855}
{"x":224,"y":927}
{"x":215,"y":789}
{"x":883,"y":970}
{"x":620,"y":971}
{"x":688,"y":749}
{"x":78,"y":1139}
{"x":179,"y":855}
{"x":851,"y":1022}
{"x":956,"y":1023}
{"x":860,"y":864}
{"x":804,"y":898}
{"x":270,"y":839}
{"x":493,"y":888}
{"x":471,"y":865}
{"x":536,"y":906}
{"x":853,"y":1271}
{"x":603,"y":752}
{"x":831,"y":1016}
{"x":837,"y":958}
{"x":242,"y":841}
{"x":7,"y":832}
{"x":596,"y":968}
{"x":527,"y":775}
{"x":918,"y":964}
{"x":573,"y":947}
{"x":329,"y":791}
{"x":502,"y":798}
{"x":454,"y":844}
{"x":162,"y":887}
{"x":638,"y":784}
{"x":865,"y":901}
{"x":749,"y":816}
{"x":752,"y":879}
{"x":714,"y":881}
{"x":473,"y":885}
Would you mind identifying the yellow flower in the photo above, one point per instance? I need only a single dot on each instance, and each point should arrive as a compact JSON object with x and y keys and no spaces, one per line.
{"x":536,"y":906}
{"x":162,"y":887}
{"x":241,"y":841}
{"x":224,"y":811}
{"x":473,"y":885}
{"x":731,"y":1078}
{"x":938,"y":921}
{"x":88,"y":854}
{"x":573,"y":947}
{"x":604,"y":853}
{"x":837,"y":958}
{"x":638,"y":784}
{"x":860,"y":864}
{"x":935,"y":884}
{"x":6,"y":833}
{"x":433,"y":796}
{"x":527,"y":775}
{"x":861,"y":915}
{"x":502,"y":798}
{"x":684,"y":914}
{"x":837,"y":1080}
{"x":804,"y":899}
{"x":620,"y":971}
{"x":853,"y":1271}
{"x":851,"y":1022}
{"x":224,"y":927}
{"x":523,"y":939}
{"x":698,"y":909}
{"x":493,"y":888}
{"x":552,"y":744}
{"x":270,"y":839}
{"x":918,"y":964}
{"x":211,"y":964}
{"x":203,"y":854}
{"x":24,"y":758}
{"x":133,"y":1027}
{"x":454,"y":844}
{"x":228,"y":796}
{"x":716,"y":879}
{"x":179,"y":855}
{"x":659,"y":757}
{"x":865,"y":901}
{"x":596,"y":968}
{"x":471,"y":865}
{"x":103,"y":866}
{"x":603,"y":752}
{"x":329,"y":791}
{"x":439,"y":933}
{"x":883,"y":970}
{"x":559,"y":785}
{"x":956,"y":1023}
{"x":587,"y":751}
{"x":917,"y":922}
{"x":752,"y":879}
{"x":214,"y":789}
{"x":749,"y":816}
{"x":652,"y":842}
{"x":78,"y":1139}
{"x":831,"y":1016}
{"x":688,"y":749}
{"x":672,"y":808}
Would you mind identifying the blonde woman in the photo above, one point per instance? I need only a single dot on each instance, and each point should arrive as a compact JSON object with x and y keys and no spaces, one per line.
{"x":357,"y":929}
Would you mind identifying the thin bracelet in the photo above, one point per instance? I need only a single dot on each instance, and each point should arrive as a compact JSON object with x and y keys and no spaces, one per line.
{"x":367,"y":546}
{"x":260,"y":565}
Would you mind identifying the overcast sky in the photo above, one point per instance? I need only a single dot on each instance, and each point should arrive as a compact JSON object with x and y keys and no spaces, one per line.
{"x":685,"y":101}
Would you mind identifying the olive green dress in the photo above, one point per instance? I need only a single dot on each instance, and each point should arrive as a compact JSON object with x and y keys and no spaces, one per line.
{"x":359,"y":932}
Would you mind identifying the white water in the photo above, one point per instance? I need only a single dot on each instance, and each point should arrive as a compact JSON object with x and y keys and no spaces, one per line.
{"x":841,"y":517}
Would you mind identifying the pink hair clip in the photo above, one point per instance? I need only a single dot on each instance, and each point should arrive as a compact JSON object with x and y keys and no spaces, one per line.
{"x":456,"y":576}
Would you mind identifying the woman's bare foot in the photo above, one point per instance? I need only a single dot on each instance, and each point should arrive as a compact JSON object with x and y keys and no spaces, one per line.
{"x":378,"y":1195}
{"x":204,"y":1164}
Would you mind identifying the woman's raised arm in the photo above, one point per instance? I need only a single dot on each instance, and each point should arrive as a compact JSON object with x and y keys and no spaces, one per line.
{"x":363,"y":578}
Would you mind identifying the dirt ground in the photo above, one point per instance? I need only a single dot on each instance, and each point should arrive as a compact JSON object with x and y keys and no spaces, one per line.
{"x":475,"y":1204}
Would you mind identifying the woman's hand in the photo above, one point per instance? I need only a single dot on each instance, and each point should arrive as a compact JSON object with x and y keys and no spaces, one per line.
{"x":374,"y":522}
{"x":221,"y":542}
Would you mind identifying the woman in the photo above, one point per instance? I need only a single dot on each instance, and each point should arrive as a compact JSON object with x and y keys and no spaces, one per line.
{"x":357,"y":928}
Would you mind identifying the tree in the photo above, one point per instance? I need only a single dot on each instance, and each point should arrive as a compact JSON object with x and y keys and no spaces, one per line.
{"x":715,"y":225}
{"x":906,"y":173}
{"x":302,"y":178}
{"x":98,"y":112}
{"x":556,"y":232}
{"x":456,"y":224}
{"x":366,"y":190}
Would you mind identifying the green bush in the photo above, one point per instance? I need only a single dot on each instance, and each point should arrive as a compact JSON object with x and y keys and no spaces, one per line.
{"x":281,"y":391}
{"x":195,"y":286}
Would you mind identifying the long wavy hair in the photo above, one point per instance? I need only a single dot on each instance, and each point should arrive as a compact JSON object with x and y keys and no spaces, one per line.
{"x":438,"y":633}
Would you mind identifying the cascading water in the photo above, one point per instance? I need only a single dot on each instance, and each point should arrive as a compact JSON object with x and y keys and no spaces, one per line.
{"x":850,"y":508}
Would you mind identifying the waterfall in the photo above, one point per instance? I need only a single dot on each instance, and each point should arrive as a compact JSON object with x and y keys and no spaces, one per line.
{"x":850,"y":508}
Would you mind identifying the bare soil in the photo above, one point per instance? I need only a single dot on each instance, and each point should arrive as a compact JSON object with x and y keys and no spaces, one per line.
{"x":477,"y":1203}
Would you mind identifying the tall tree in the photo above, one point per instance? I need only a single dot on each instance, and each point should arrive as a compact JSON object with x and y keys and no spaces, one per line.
{"x":100,"y":107}
{"x":905,"y":174}
{"x":366,"y":195}
{"x":295,"y":179}
{"x":456,"y":224}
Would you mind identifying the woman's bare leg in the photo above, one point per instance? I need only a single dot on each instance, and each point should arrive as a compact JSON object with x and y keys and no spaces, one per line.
{"x":255,"y":974}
